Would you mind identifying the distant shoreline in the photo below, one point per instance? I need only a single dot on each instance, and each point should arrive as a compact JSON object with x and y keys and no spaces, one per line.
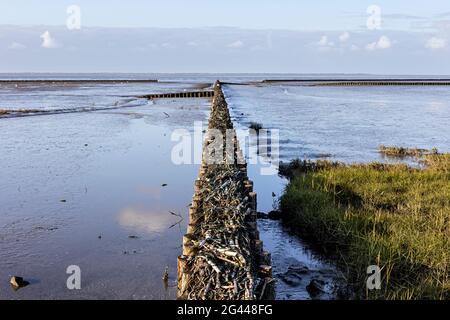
{"x":76,"y":81}
{"x":310,"y":82}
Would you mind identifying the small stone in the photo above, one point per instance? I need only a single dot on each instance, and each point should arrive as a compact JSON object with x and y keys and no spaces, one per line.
{"x":164,"y":185}
{"x":315,"y":287}
{"x":132,"y":237}
{"x":18,"y":282}
{"x":63,"y":200}
{"x":100,"y":237}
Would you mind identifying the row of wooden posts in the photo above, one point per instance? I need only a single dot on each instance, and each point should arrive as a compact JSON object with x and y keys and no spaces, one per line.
{"x":185,"y":94}
{"x":382,"y":83}
{"x":262,"y":258}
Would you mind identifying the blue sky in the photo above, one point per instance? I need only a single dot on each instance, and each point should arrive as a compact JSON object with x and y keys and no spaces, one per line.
{"x":259,"y":14}
{"x":412,"y":37}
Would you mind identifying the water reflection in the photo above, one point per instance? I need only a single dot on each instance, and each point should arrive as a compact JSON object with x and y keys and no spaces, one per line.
{"x":110,"y":168}
{"x":146,"y":221}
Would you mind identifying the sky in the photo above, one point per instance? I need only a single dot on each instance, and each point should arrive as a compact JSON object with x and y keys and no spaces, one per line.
{"x":290,"y":36}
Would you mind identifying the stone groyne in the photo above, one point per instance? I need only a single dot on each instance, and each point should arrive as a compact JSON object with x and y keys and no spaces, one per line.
{"x":223,"y":258}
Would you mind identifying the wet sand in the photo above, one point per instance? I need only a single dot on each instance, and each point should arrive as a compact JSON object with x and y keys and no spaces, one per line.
{"x":68,"y":179}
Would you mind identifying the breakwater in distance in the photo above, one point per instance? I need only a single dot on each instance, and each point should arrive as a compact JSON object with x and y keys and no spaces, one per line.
{"x":186,"y":94}
{"x":362,"y":82}
{"x":223,"y":257}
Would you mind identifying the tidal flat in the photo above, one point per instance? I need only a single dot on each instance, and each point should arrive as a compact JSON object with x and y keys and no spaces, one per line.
{"x":94,"y":189}
{"x":90,"y":181}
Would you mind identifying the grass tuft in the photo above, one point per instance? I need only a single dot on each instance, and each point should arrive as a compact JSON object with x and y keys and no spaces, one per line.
{"x":402,"y":152}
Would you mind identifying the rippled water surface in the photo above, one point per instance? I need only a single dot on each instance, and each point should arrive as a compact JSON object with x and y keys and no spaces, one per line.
{"x":94,"y":189}
{"x":346,"y":123}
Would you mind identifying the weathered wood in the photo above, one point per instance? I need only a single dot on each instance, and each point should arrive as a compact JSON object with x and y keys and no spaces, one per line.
{"x":265,"y":258}
{"x":265,"y":271}
{"x":189,"y":94}
{"x":195,"y":237}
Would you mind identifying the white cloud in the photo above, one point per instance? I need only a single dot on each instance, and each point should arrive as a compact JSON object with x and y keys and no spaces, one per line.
{"x":147,"y":221}
{"x":16,"y":46}
{"x":297,"y":51}
{"x":324,"y":44}
{"x":344,"y":37}
{"x":48,"y":41}
{"x":382,"y":43}
{"x":436,"y":43}
{"x":323,"y":41}
{"x":236,"y":44}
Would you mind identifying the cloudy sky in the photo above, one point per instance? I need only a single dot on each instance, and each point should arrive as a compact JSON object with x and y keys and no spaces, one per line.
{"x":290,"y":36}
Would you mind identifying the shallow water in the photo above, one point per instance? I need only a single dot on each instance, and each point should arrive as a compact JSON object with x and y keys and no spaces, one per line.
{"x":346,"y":123}
{"x":295,"y":264}
{"x":68,"y":179}
{"x":61,"y":96}
{"x":338,"y":123}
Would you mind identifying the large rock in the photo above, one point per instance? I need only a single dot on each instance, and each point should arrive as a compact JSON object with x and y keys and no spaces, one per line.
{"x":315,"y":287}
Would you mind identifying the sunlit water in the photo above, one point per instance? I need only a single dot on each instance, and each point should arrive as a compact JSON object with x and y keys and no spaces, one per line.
{"x":74,"y":187}
{"x":346,"y":123}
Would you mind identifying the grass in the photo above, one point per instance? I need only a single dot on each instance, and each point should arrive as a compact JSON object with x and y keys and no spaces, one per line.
{"x":437,"y":161}
{"x":298,"y":166}
{"x":405,"y":152}
{"x":392,"y":216}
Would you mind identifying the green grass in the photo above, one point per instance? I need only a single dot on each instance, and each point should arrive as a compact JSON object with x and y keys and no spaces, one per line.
{"x":392,"y":216}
